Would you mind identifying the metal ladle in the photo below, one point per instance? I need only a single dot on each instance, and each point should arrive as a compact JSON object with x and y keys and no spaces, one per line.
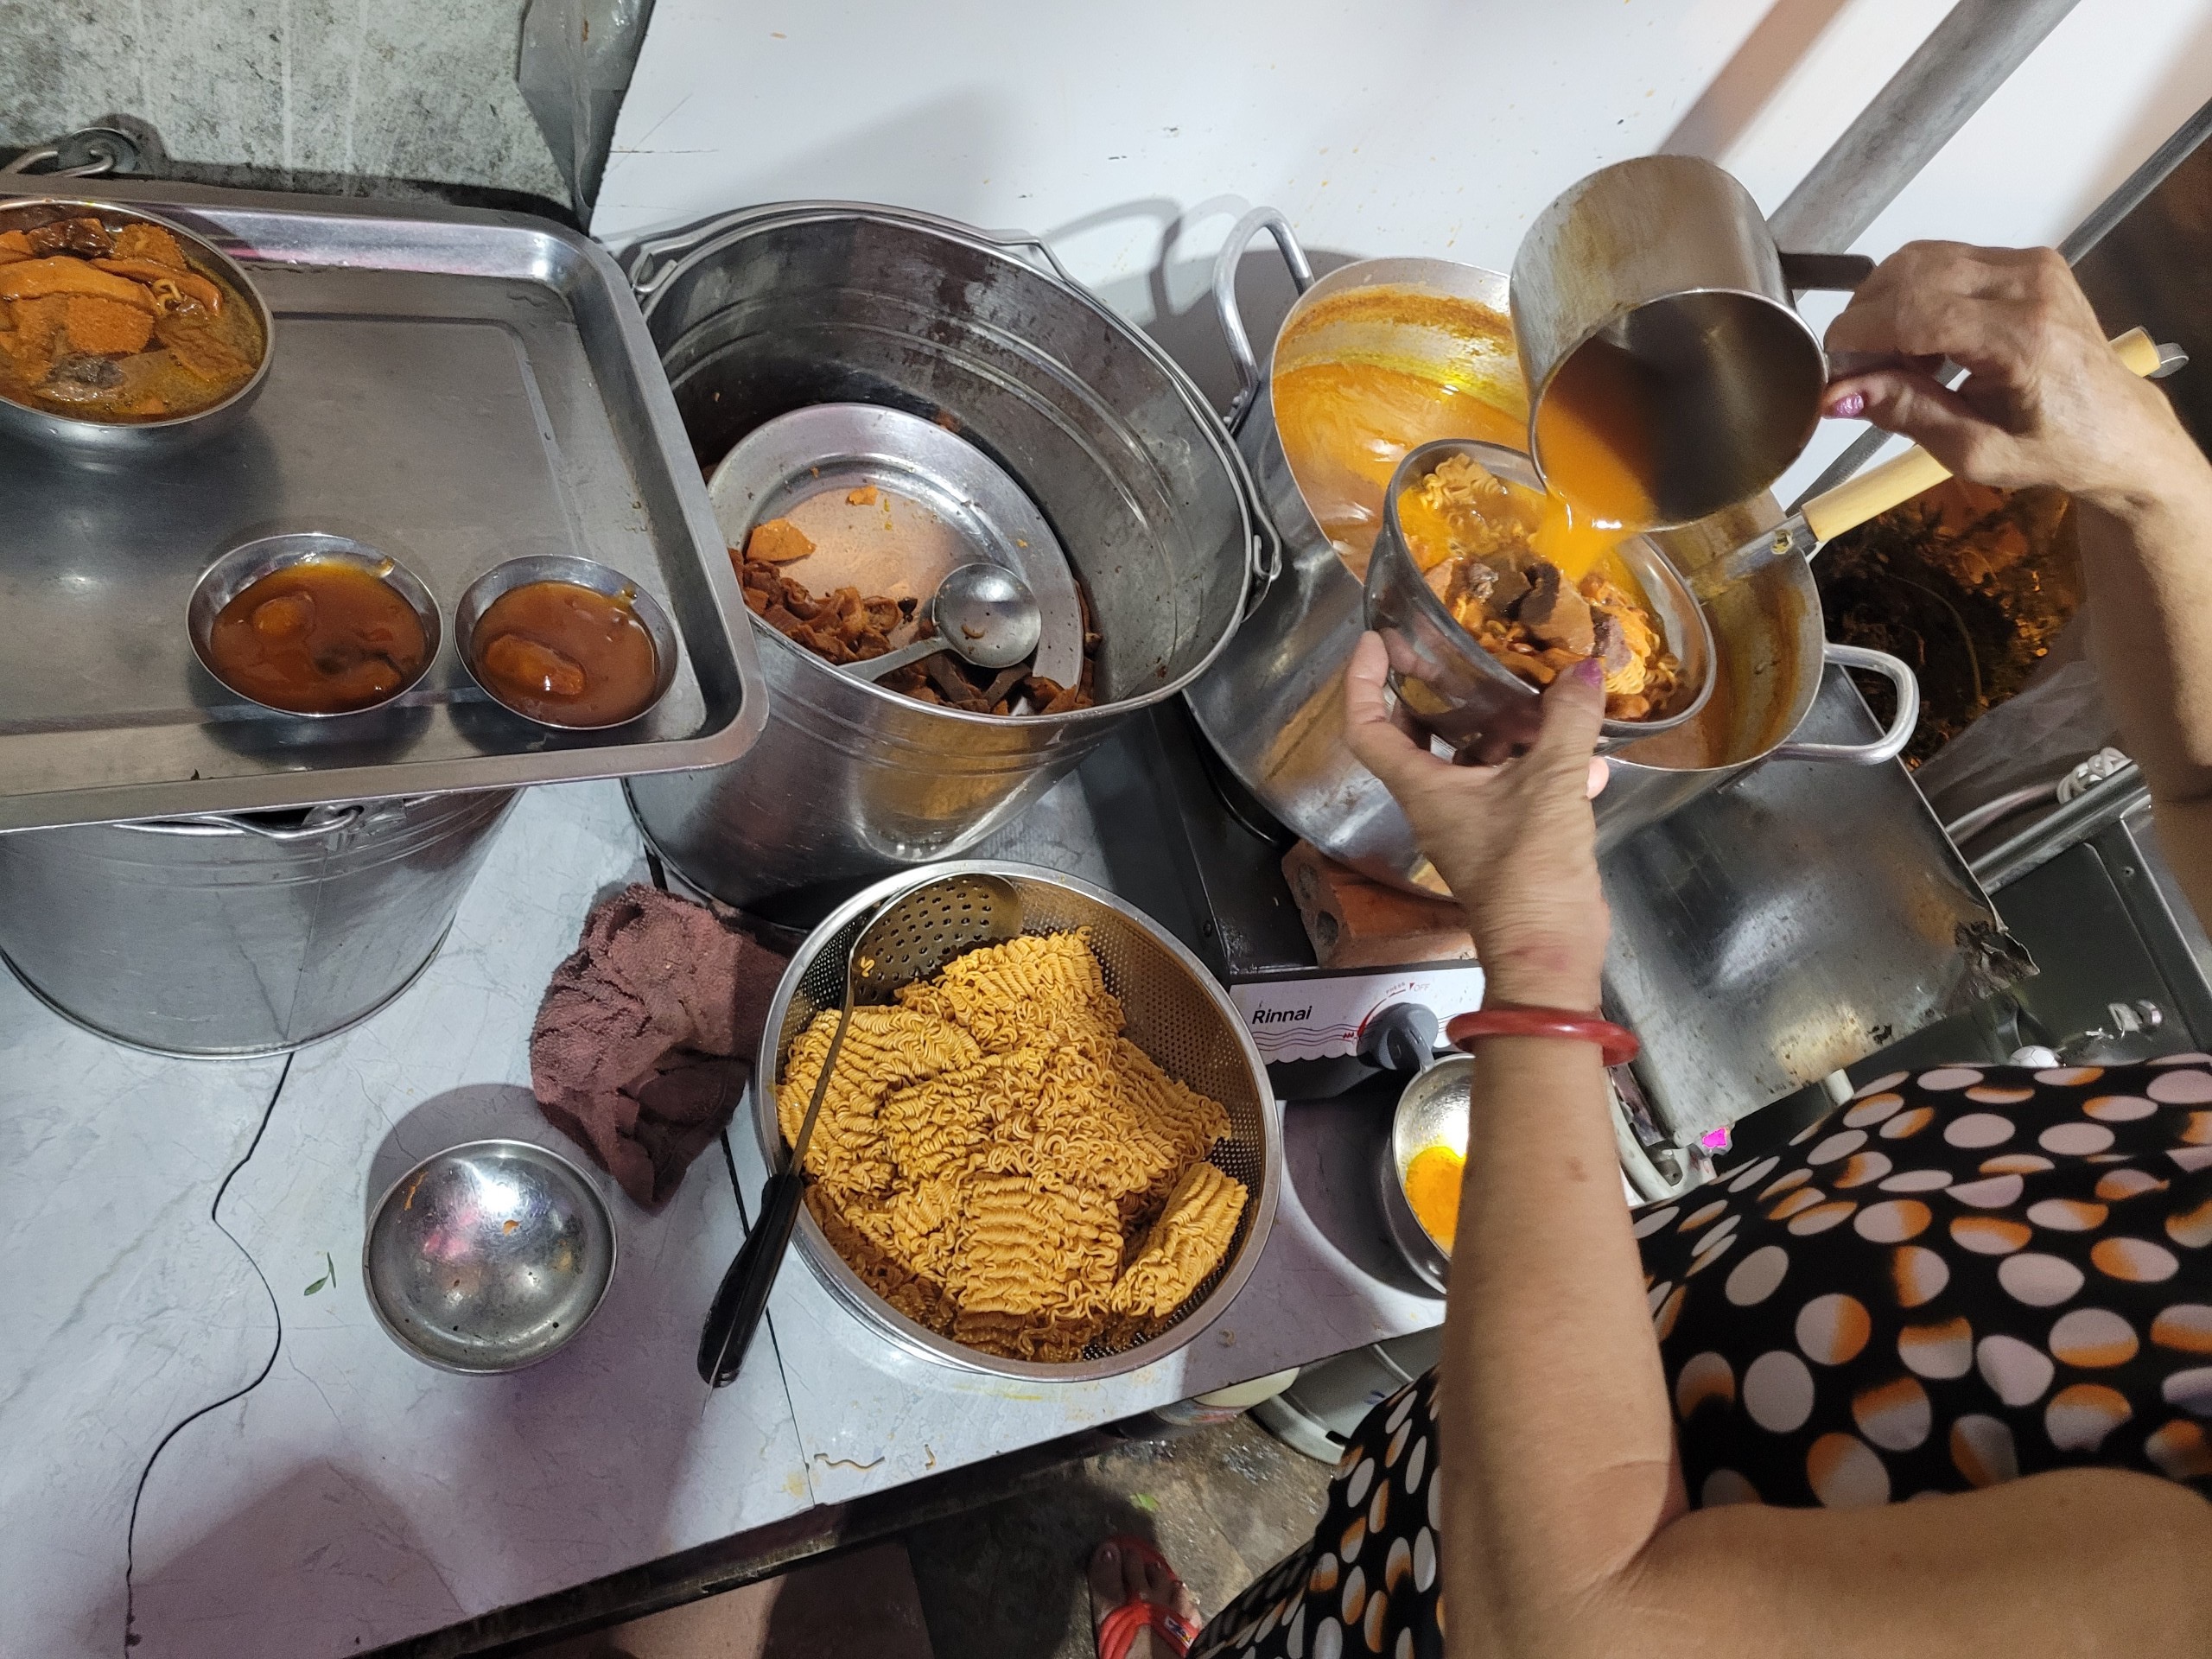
{"x":983,"y":613}
{"x":908,"y":938}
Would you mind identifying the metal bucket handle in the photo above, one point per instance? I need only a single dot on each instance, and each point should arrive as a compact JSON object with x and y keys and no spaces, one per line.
{"x":230,"y":823}
{"x":652,"y":263}
{"x":1272,"y":221}
{"x":1890,"y":744}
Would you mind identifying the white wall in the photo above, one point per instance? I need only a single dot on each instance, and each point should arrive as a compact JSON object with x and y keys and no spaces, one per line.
{"x":1133,"y":135}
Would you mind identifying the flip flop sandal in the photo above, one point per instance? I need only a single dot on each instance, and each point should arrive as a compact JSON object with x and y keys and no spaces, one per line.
{"x":1118,"y":1631}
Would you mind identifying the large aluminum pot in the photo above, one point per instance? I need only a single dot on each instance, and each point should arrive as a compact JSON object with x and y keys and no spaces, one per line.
{"x":1652,"y":305}
{"x":1272,"y":707}
{"x":224,"y":936}
{"x":784,"y":307}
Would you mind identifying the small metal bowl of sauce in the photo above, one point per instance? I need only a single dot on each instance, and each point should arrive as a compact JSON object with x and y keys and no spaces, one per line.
{"x":313,"y":623}
{"x":566,"y":642}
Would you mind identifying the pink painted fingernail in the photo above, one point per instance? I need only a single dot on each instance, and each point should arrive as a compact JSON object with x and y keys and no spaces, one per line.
{"x":1590,"y":671}
{"x":1849,"y":407}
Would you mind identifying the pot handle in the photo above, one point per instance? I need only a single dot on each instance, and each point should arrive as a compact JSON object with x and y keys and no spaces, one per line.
{"x":1890,"y":744}
{"x":1801,"y":271}
{"x":1272,"y":220}
{"x":337,"y":825}
{"x":1035,"y":244}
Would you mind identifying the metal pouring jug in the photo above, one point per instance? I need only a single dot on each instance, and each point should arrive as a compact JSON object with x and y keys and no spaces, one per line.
{"x":1655,"y":318}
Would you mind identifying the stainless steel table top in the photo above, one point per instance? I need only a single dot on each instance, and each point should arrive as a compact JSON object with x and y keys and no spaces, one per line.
{"x":455,"y":388}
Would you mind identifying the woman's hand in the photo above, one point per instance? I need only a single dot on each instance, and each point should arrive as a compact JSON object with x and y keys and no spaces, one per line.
{"x":2045,"y":400}
{"x":1515,"y":843}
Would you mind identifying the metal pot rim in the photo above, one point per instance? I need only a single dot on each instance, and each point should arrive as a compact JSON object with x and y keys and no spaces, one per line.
{"x":653,"y":285}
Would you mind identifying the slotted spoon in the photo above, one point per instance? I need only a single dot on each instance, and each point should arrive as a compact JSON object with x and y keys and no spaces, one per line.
{"x":909,"y":936}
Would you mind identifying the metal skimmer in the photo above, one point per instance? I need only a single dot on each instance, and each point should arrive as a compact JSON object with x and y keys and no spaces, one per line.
{"x":1173,"y":1009}
{"x":908,"y":938}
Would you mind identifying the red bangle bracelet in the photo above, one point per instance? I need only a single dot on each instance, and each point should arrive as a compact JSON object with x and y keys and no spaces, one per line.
{"x":1616,"y":1043}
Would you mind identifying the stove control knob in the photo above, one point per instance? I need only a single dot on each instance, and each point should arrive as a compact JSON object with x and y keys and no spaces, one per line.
{"x":1400,"y":1037}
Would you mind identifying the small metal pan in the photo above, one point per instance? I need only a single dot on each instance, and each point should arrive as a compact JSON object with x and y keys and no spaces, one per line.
{"x":1432,"y":1112}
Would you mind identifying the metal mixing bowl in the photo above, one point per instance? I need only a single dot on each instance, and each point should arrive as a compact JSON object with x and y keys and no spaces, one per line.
{"x":123,"y":440}
{"x":248,"y":562}
{"x":1432,"y":1112}
{"x":487,"y":1257}
{"x":1175,"y":1012}
{"x":504,"y":579}
{"x":1460,"y":691}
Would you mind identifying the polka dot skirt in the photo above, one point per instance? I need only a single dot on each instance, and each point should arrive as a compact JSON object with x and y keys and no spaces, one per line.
{"x":1956,"y":1278}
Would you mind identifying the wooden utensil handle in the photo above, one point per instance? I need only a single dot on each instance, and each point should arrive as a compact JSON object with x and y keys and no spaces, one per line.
{"x":1878,"y":489}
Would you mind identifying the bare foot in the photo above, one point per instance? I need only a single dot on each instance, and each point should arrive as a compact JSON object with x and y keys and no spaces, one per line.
{"x":1118,"y":1576}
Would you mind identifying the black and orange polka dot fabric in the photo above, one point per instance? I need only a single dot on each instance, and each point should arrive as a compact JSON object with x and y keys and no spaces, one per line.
{"x":1368,"y":1582}
{"x":1959,"y":1277}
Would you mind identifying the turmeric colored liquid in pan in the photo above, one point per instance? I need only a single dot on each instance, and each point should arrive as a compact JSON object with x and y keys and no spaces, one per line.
{"x":1346,"y":426}
{"x":1433,"y":1179}
{"x":317,"y":637}
{"x":566,"y":654}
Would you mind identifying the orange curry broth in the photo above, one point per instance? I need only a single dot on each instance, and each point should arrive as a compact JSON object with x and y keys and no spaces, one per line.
{"x":321,"y":636}
{"x":1346,"y":426}
{"x":566,"y":654}
{"x":1433,"y":1179}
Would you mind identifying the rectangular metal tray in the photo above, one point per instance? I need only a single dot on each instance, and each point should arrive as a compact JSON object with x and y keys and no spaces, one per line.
{"x":456,"y":389}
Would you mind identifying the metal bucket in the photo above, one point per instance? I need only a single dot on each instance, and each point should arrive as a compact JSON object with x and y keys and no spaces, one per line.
{"x":225,"y":937}
{"x":1273,"y":705}
{"x":785,"y":306}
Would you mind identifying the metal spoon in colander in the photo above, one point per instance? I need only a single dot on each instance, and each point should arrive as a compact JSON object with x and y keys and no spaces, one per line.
{"x":907,"y":938}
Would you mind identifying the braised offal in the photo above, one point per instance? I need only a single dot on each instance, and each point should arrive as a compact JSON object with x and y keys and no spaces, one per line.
{"x":117,"y":325}
{"x":846,"y":627}
{"x":1498,"y":554}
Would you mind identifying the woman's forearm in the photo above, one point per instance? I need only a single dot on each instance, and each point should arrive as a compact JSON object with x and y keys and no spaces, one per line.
{"x":2147,"y":560}
{"x":1556,"y":1423}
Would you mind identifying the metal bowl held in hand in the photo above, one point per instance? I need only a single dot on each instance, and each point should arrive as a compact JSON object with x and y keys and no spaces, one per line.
{"x":782,"y":308}
{"x":1463,"y":694}
{"x":488,"y":1257}
{"x":224,"y":936}
{"x":1175,"y":1012}
{"x":1655,"y":319}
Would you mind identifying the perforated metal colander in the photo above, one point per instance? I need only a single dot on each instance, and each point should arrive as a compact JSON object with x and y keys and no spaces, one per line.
{"x":1175,"y":1012}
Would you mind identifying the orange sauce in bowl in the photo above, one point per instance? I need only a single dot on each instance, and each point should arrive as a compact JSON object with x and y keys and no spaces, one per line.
{"x":566,"y":654}
{"x":321,"y":636}
{"x":1431,"y":1184}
